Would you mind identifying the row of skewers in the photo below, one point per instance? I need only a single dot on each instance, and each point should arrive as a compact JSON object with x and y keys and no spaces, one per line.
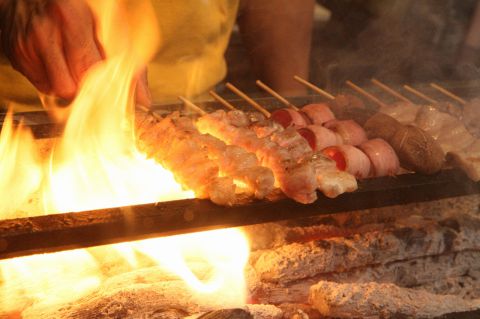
{"x":319,"y":146}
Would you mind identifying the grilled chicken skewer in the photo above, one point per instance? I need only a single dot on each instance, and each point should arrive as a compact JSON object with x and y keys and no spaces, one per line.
{"x":297,"y":159}
{"x":232,"y":160}
{"x":172,"y":147}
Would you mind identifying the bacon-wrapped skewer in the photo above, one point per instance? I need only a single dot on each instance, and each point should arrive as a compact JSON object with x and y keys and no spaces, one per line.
{"x":317,"y":136}
{"x":320,"y":137}
{"x":315,"y":113}
{"x":384,"y":161}
{"x":349,"y":130}
{"x":318,"y":113}
{"x":350,"y":159}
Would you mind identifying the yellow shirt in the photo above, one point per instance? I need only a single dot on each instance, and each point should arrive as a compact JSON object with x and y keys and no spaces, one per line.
{"x":190,"y":59}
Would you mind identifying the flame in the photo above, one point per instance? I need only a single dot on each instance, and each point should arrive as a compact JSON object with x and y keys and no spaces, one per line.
{"x":96,"y":164}
{"x":20,"y":169}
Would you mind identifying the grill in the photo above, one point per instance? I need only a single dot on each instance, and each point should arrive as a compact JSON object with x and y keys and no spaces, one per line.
{"x":50,"y":233}
{"x":59,"y":232}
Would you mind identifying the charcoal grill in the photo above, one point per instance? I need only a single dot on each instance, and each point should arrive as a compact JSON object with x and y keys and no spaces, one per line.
{"x":50,"y":233}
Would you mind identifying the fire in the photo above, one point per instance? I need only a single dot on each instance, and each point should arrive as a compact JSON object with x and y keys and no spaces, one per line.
{"x":96,"y":164}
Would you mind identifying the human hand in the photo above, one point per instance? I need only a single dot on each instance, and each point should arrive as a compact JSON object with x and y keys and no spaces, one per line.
{"x":53,"y":43}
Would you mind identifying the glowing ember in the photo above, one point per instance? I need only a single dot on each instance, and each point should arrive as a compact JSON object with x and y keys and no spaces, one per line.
{"x":96,"y":164}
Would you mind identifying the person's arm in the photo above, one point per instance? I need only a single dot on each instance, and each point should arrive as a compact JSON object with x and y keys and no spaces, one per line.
{"x":470,"y":50}
{"x":277,"y":34}
{"x":53,"y":43}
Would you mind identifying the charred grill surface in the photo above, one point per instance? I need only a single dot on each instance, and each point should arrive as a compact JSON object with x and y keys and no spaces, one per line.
{"x":27,"y":236}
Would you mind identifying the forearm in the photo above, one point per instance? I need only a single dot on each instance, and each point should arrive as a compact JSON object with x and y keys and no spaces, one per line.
{"x":472,"y":38}
{"x":277,"y":34}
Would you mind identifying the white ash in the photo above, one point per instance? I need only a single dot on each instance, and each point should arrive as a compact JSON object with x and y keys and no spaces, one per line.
{"x":455,"y":273}
{"x":260,"y":311}
{"x":373,"y":300}
{"x":257,"y":311}
{"x":272,"y":235}
{"x":134,"y":294}
{"x":430,"y":246}
{"x":416,"y":271}
{"x":303,"y":260}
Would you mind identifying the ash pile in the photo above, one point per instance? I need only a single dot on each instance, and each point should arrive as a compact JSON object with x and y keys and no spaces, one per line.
{"x":420,"y":260}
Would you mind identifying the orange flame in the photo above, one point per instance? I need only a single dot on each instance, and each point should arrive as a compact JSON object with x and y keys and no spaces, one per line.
{"x":96,"y":164}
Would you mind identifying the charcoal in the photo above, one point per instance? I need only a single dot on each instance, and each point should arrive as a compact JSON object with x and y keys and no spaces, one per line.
{"x":227,"y":314}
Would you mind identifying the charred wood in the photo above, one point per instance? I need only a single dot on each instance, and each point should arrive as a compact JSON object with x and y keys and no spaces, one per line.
{"x":455,"y":273}
{"x":383,"y":300}
{"x":304,"y":260}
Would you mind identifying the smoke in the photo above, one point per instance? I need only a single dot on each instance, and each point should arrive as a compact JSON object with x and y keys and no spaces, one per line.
{"x":397,"y":41}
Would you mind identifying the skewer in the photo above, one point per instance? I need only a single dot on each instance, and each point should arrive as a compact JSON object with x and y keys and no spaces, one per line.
{"x":222,"y":101}
{"x":366,"y":94}
{"x":192,"y":105}
{"x":391,"y":91}
{"x":276,"y":95}
{"x":448,"y":93}
{"x":314,"y":88}
{"x":143,"y":108}
{"x":420,"y":94}
{"x":148,"y":110}
{"x":259,"y":108}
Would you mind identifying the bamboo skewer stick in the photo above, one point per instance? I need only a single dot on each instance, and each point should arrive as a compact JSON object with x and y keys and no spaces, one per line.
{"x":448,"y":93}
{"x":391,"y":91}
{"x":276,"y":95}
{"x":420,"y":94}
{"x":143,"y":108}
{"x":149,"y":110}
{"x":222,"y":101}
{"x":366,"y":94}
{"x":259,"y":108}
{"x":192,"y":105}
{"x":314,"y":88}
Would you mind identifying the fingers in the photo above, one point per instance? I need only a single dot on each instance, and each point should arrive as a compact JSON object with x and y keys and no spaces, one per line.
{"x":142,"y":92}
{"x":50,"y":50}
{"x":78,"y":36}
{"x":30,"y":65}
